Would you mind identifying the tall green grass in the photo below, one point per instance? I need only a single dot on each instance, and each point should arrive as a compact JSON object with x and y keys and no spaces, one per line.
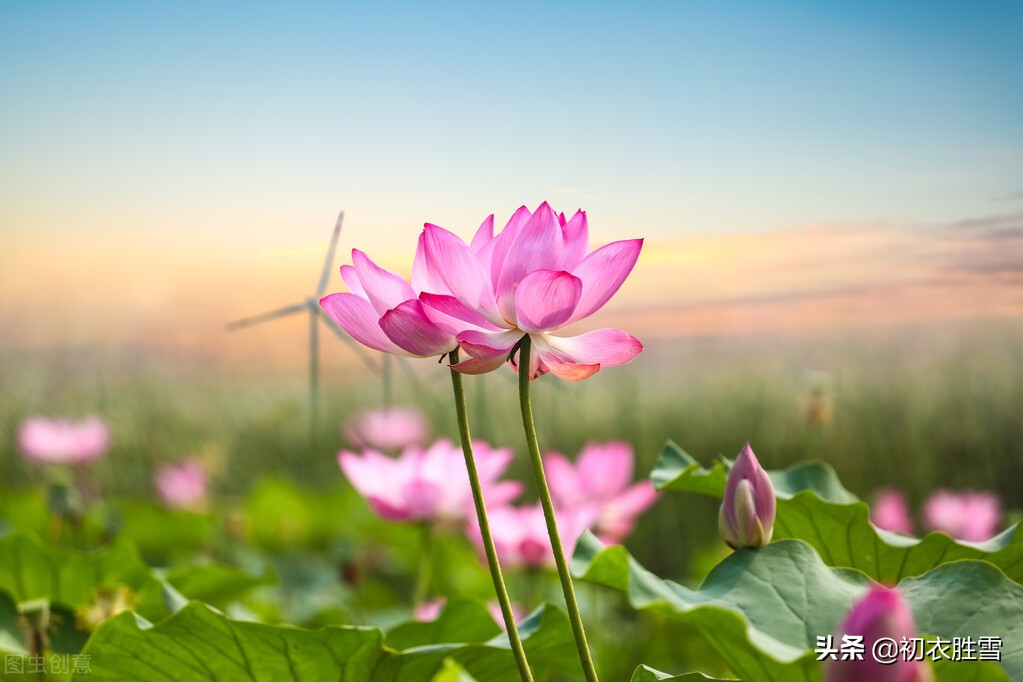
{"x":919,"y":408}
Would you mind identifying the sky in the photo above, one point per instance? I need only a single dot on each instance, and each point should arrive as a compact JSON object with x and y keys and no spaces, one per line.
{"x":167,"y":167}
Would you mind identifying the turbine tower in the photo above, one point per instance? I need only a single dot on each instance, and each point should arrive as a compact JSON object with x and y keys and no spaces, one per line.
{"x":312,"y":306}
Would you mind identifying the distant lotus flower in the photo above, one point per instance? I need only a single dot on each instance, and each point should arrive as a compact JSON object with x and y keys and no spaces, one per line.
{"x":429,"y":610}
{"x":182,"y":486}
{"x":383,"y":312}
{"x":428,"y":484}
{"x":60,"y":441}
{"x":970,"y":516}
{"x":600,"y":480}
{"x":535,"y":278}
{"x":387,"y":429}
{"x":520,"y":533}
{"x":747,"y":513}
{"x":890,"y":512}
{"x":880,"y":613}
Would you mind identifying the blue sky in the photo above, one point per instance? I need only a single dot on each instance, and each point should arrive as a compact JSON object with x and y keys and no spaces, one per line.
{"x":241,"y":128}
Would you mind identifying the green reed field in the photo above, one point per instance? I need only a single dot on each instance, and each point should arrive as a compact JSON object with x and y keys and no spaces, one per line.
{"x":918,"y":408}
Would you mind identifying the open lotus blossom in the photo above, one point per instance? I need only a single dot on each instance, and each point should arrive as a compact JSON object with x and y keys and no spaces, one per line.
{"x":520,"y":533}
{"x":747,"y":512}
{"x":970,"y":516}
{"x":182,"y":485}
{"x":61,"y":441}
{"x":430,"y":610}
{"x":891,"y":512}
{"x":391,"y":428}
{"x":428,"y":484}
{"x":383,"y":312}
{"x":535,"y":277}
{"x":880,"y":613}
{"x":600,"y":479}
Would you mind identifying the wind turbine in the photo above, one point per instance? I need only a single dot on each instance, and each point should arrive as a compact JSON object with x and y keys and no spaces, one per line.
{"x":312,"y":306}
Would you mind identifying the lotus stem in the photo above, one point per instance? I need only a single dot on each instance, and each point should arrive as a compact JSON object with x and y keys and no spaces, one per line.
{"x":567,"y":588}
{"x":481,"y":514}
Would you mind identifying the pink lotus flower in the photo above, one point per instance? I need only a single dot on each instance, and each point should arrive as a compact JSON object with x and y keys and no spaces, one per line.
{"x":747,"y":512}
{"x":387,"y":429}
{"x":60,"y":441}
{"x":970,"y":516}
{"x":383,"y":312}
{"x":428,"y":484}
{"x":535,"y":278}
{"x":520,"y":533}
{"x":880,"y":613}
{"x":182,"y":486}
{"x":600,"y":480}
{"x":890,"y":512}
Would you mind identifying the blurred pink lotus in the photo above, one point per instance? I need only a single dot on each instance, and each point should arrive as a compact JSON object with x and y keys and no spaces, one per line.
{"x":520,"y":533}
{"x":970,"y":516}
{"x":891,"y":512}
{"x":429,"y":610}
{"x":600,"y":480}
{"x":392,"y":428}
{"x":182,"y":486}
{"x":61,"y":441}
{"x":880,"y":613}
{"x":428,"y":484}
{"x":535,"y":278}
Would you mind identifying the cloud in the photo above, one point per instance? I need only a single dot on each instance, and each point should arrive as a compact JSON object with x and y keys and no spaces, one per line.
{"x":829,"y":275}
{"x":1011,"y":196}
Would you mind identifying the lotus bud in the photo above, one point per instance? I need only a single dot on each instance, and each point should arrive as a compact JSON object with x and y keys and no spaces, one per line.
{"x":747,"y":512}
{"x":880,"y":614}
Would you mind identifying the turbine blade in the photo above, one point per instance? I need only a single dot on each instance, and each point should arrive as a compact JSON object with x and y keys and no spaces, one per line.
{"x":325,"y":275}
{"x":264,"y":317}
{"x":357,"y":347}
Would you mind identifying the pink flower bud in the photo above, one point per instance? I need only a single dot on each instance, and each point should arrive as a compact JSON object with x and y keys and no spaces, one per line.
{"x":747,"y":513}
{"x":881,"y":613}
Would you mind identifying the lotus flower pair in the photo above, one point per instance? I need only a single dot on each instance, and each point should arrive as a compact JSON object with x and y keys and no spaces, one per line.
{"x":970,"y":516}
{"x":534,"y":277}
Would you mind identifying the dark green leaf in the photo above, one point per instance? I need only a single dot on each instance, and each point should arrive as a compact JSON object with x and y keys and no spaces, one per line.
{"x":679,"y":472}
{"x":763,"y":609}
{"x":645,"y":674}
{"x":197,"y":643}
{"x":461,"y":621}
{"x":814,"y":507}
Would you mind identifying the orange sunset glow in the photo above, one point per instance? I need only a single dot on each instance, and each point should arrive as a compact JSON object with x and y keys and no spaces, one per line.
{"x":822,"y":276}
